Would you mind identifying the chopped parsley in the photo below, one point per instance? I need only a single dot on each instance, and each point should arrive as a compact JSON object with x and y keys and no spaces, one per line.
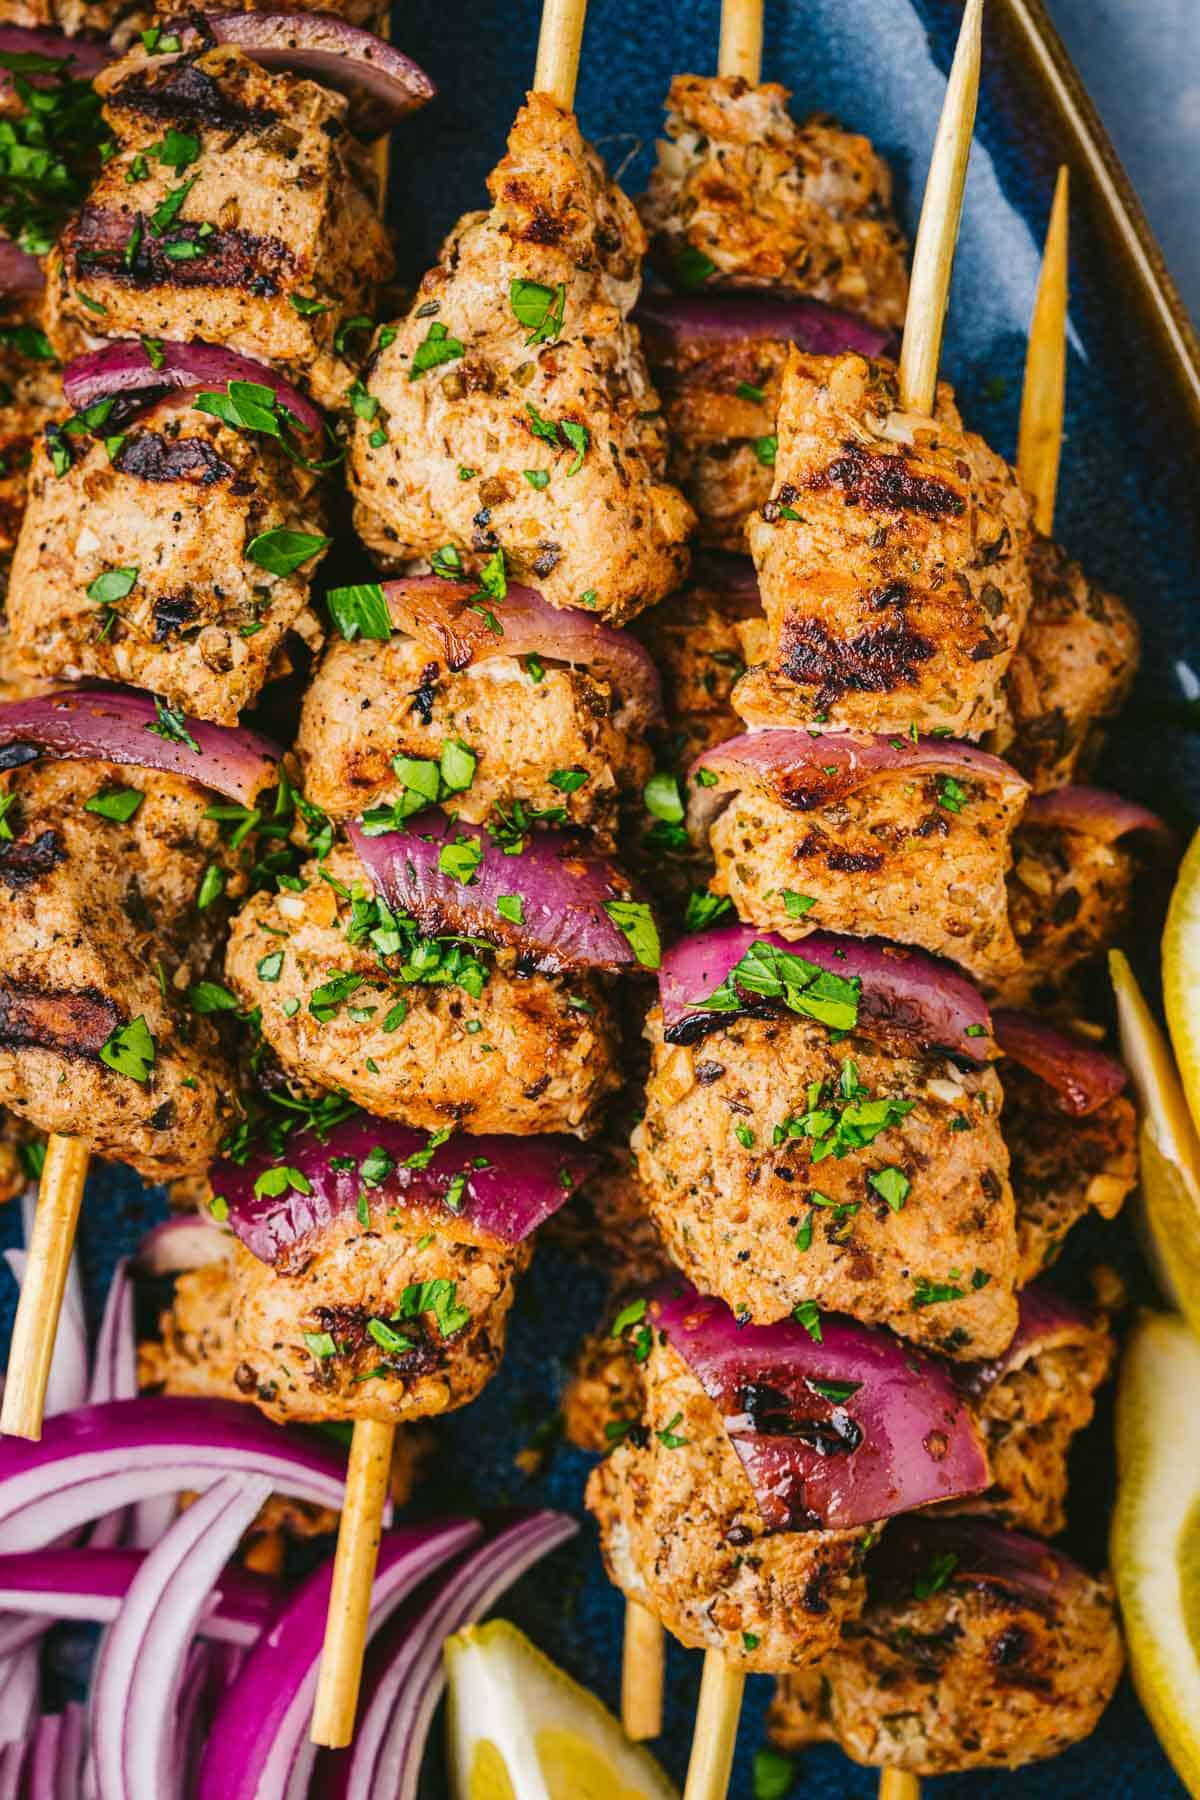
{"x":539,"y":309}
{"x":118,"y":804}
{"x":802,"y":986}
{"x":693,"y":268}
{"x":171,"y":726}
{"x":669,"y":1436}
{"x":796,"y":905}
{"x":704,"y":909}
{"x":662,"y":799}
{"x":281,"y":551}
{"x":130,"y":1050}
{"x":766,"y":449}
{"x":892,"y":1185}
{"x":436,"y":347}
{"x":951,"y":795}
{"x":808,"y":1314}
{"x":635,"y":921}
{"x":933,"y":1579}
{"x":360,"y":611}
{"x":112,"y":585}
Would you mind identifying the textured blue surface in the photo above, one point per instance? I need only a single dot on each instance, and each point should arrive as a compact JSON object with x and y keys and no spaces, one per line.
{"x":1124,"y":507}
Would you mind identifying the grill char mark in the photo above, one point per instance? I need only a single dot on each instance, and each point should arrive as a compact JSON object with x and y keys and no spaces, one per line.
{"x":873,"y":662}
{"x":96,"y":245}
{"x":886,"y":484}
{"x":66,"y":1021}
{"x":151,"y":457}
{"x":184,"y":95}
{"x":25,"y":860}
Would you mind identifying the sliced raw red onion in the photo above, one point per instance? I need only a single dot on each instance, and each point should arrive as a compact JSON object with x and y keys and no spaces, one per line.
{"x":382,"y":83}
{"x":92,"y":1584}
{"x":185,"y":1241}
{"x":119,"y":725}
{"x":114,"y":1377}
{"x":127,"y":367}
{"x":803,"y":770}
{"x":557,"y":892}
{"x":1094,"y":811}
{"x":856,"y":1427}
{"x":511,"y":1184}
{"x":672,"y":323}
{"x":12,"y":1767}
{"x":139,"y":1671}
{"x":20,"y":273}
{"x":437,"y":614}
{"x":983,"y":1555}
{"x":1045,"y":1321}
{"x":19,"y":1683}
{"x":96,"y":1458}
{"x":903,"y":992}
{"x":257,"y":1745}
{"x":405,"y":1675}
{"x":55,"y":1757}
{"x":1083,"y":1077}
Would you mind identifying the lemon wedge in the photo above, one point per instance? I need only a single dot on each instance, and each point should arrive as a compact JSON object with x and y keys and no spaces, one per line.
{"x":1170,"y":1149}
{"x":1156,"y":1530}
{"x":519,"y":1729}
{"x":1181,"y":973}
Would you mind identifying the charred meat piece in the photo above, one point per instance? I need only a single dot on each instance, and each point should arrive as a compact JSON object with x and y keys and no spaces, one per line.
{"x":138,"y":557}
{"x":101,"y":940}
{"x":608,"y":1224}
{"x":891,"y":558}
{"x":1062,"y":1167}
{"x":427,"y":1031}
{"x":549,"y":739}
{"x":695,"y":640}
{"x":512,"y":408}
{"x":904,"y":841}
{"x":743,"y":196}
{"x":782,"y":1167}
{"x":1073,"y":668}
{"x":682,"y":1534}
{"x":1069,"y":896}
{"x":30,"y":396}
{"x":977,"y":1649}
{"x":602,"y":1400}
{"x":253,"y":226}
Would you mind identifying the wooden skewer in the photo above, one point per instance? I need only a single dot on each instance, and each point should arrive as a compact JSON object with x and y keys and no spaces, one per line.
{"x":941,"y":212}
{"x":1039,"y":443}
{"x":899,"y":1784}
{"x":643,"y":1665}
{"x":60,"y":1192}
{"x":371,"y":1445}
{"x":715,"y":1736}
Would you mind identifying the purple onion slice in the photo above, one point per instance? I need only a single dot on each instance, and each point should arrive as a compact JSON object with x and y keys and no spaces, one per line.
{"x":128,"y":367}
{"x":1095,"y":811}
{"x":671,"y":323}
{"x":1045,"y":1321}
{"x":1083,"y":1077}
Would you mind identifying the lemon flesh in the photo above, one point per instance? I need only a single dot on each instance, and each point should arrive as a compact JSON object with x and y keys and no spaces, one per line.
{"x":1156,"y":1531}
{"x":520,"y":1729}
{"x":1170,"y":1149}
{"x":1181,"y":973}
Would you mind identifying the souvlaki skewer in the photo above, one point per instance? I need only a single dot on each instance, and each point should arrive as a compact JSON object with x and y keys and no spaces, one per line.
{"x":167,"y":519}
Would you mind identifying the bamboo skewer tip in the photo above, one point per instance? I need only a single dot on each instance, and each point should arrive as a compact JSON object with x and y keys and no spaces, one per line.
{"x":60,"y":1194}
{"x":741,"y":44}
{"x":346,"y":1622}
{"x":715,"y":1736}
{"x":642,"y":1674}
{"x":557,"y":68}
{"x":1043,"y":397}
{"x":941,"y":214}
{"x":899,"y":1784}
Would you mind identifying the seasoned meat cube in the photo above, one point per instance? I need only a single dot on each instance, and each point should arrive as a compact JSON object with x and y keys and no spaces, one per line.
{"x":100,"y":940}
{"x":30,"y":395}
{"x":1073,"y":668}
{"x":781,"y":1166}
{"x":956,"y":1664}
{"x":891,"y":559}
{"x":1029,"y":1410}
{"x":370,"y":702}
{"x":339,"y":1331}
{"x":608,"y":1224}
{"x":1062,"y":1167}
{"x":682,"y":1534}
{"x":891,"y":845}
{"x":277,"y":206}
{"x":694,"y":639}
{"x":1069,"y":897}
{"x":497,"y":1051}
{"x":133,"y":562}
{"x":743,"y":196}
{"x":513,"y":401}
{"x":602,"y":1399}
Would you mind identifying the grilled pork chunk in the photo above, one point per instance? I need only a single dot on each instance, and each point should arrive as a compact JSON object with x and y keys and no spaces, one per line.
{"x":458,"y":1040}
{"x":99,"y":940}
{"x":602,"y":1399}
{"x":743,"y":196}
{"x":781,"y":1166}
{"x":515,"y":413}
{"x":30,"y":396}
{"x":695,"y":641}
{"x":891,"y":560}
{"x":1073,"y":668}
{"x":1069,"y":897}
{"x":258,"y":230}
{"x":139,"y":556}
{"x":370,"y":702}
{"x":681,"y":1532}
{"x":1062,"y":1166}
{"x":955,"y":1666}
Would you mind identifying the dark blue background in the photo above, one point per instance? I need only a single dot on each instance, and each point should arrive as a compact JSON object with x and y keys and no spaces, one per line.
{"x":1126,"y":508}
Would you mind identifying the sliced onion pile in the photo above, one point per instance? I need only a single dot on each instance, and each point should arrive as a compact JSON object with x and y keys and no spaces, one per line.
{"x":903,"y":993}
{"x":671,"y":323}
{"x":1083,"y":1077}
{"x":556,"y":901}
{"x":804,"y":770}
{"x":382,"y":83}
{"x":205,"y":1678}
{"x":1045,"y":1321}
{"x":119,"y":725}
{"x":1095,"y":812}
{"x":843,"y":1431}
{"x":437,"y":614}
{"x":512,"y":1184}
{"x":127,"y":367}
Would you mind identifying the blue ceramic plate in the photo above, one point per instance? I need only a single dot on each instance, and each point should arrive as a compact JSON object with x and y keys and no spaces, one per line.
{"x":1126,"y":508}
